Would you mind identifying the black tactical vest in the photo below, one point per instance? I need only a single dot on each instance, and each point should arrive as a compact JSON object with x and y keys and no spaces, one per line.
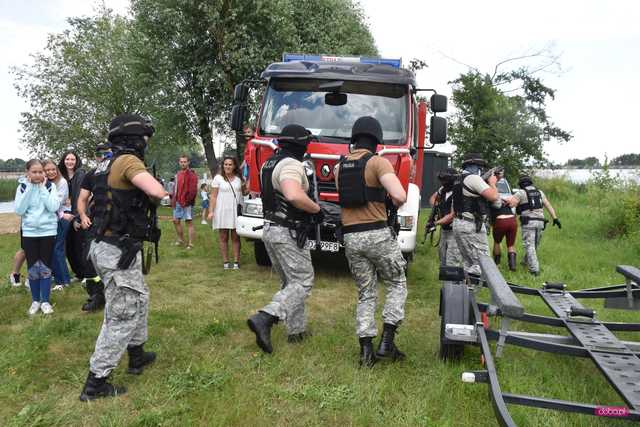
{"x":353,"y":191}
{"x":275,"y":206}
{"x":444,"y":205}
{"x":478,"y":206}
{"x":534,"y":200}
{"x":120,"y":212}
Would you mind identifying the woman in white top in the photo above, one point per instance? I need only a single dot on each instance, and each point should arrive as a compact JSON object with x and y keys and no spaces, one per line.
{"x":59,"y":261}
{"x":227,"y":190}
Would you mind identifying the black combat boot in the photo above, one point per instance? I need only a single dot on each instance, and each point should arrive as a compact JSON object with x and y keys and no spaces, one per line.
{"x":96,"y":298}
{"x":298,"y":338}
{"x":138,"y":359}
{"x":387,"y":349}
{"x":96,"y":388}
{"x":261,"y":323}
{"x":512,"y":261}
{"x":367,"y":356}
{"x":496,"y":258}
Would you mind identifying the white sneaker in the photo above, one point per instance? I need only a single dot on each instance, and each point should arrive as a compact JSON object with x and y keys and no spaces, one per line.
{"x":203,"y":222}
{"x":58,"y":288}
{"x":35,"y":307}
{"x":12,"y":280}
{"x":236,"y":266}
{"x":46,"y":308}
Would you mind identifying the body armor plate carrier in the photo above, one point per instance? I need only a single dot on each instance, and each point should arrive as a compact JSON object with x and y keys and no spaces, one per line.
{"x":534,"y":200}
{"x":121,"y":217}
{"x":461,"y":203}
{"x":275,"y":206}
{"x":353,"y":191}
{"x":444,"y":206}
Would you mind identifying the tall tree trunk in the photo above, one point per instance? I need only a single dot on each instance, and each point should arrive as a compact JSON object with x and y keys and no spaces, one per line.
{"x":204,"y":129}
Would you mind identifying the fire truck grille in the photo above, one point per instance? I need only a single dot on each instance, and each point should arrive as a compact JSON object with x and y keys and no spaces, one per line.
{"x":327,"y":187}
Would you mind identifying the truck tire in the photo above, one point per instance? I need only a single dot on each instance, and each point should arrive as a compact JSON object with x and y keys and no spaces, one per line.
{"x":454,"y":308}
{"x":260,"y":252}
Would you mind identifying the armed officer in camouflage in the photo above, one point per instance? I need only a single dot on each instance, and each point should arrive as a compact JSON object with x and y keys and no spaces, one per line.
{"x":471,"y":198}
{"x":364,"y":180}
{"x":123,"y":194}
{"x":442,"y":200}
{"x":288,"y":212}
{"x":530,"y":204}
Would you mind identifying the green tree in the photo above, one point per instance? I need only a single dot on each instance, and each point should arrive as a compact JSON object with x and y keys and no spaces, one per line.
{"x":86,"y":75}
{"x":503,"y":117}
{"x":201,"y":49}
{"x":588,"y":162}
{"x":630,"y":159}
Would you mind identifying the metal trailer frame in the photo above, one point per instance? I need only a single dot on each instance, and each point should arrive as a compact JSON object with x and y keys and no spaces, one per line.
{"x":464,"y":322}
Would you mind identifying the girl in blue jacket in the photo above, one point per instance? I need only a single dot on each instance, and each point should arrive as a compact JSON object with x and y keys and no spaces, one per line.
{"x":37,"y":203}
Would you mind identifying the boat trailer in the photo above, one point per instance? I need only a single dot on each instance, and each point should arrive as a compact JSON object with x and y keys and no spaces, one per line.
{"x":464,"y":321}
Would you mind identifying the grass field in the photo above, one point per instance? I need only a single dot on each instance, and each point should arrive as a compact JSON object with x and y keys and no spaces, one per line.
{"x":8,"y":189}
{"x":210,"y":372}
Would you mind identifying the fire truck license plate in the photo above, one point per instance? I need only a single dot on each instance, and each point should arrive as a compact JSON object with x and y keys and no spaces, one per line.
{"x":324,"y":246}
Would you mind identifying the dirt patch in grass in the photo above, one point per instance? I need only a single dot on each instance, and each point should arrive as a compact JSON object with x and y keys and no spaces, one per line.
{"x":9,"y":223}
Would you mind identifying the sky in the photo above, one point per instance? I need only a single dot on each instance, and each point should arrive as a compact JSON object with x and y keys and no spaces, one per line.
{"x":598,"y":43}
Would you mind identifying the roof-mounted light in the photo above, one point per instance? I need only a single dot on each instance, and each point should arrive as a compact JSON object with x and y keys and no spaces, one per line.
{"x":289,"y":57}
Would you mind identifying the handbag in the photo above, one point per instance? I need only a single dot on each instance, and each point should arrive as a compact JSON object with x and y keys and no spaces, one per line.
{"x":238,"y":204}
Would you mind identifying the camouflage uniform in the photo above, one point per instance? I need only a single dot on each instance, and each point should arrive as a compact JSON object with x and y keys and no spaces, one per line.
{"x":296,"y":275}
{"x":448,"y":249}
{"x":471,"y":244}
{"x":532,"y":230}
{"x":531,"y":236}
{"x":368,"y":253}
{"x":127,"y":307}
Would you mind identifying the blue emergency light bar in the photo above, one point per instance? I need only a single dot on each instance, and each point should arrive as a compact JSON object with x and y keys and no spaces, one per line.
{"x":289,"y":57}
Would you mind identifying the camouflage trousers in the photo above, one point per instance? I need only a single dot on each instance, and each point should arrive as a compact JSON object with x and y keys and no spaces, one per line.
{"x":373,"y":253}
{"x":471,"y":244}
{"x":126,"y":310}
{"x":448,"y":249}
{"x":295,"y":269}
{"x":531,"y":236}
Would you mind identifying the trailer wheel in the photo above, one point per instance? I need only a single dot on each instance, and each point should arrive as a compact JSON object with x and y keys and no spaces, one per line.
{"x":454,"y":308}
{"x":260,"y":252}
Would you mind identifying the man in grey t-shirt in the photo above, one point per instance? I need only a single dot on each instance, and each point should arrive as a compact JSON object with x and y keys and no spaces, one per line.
{"x":470,"y":203}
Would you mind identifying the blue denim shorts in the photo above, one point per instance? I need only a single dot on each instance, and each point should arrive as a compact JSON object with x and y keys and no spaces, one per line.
{"x":182,"y":213}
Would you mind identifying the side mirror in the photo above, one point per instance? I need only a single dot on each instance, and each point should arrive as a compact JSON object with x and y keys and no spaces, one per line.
{"x":438,"y":103}
{"x":438,"y":130}
{"x":240,"y":93}
{"x":335,"y":99}
{"x":238,"y":112}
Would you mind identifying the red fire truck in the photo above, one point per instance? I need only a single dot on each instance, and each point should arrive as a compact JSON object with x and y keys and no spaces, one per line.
{"x":326,"y":95}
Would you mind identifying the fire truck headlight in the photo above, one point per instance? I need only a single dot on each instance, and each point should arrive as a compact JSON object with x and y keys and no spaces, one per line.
{"x":253,"y":209}
{"x":406,"y":222}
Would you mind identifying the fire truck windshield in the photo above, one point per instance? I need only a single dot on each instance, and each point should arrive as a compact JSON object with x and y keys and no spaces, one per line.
{"x":301,"y":101}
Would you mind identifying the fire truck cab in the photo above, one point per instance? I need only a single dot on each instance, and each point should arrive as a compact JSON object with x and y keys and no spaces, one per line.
{"x":326,"y":95}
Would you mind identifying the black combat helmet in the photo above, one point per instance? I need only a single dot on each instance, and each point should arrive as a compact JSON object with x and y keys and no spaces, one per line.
{"x":295,"y":135}
{"x":525,"y":181}
{"x":448,"y":175}
{"x":473,"y":159}
{"x":127,"y":124}
{"x":367,"y":126}
{"x":294,"y":140}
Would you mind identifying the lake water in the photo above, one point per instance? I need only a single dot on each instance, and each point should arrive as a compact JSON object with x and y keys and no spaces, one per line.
{"x":6,"y":207}
{"x":583,"y":175}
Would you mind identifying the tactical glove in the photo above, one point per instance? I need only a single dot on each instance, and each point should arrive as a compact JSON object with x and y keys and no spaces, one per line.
{"x":556,"y":222}
{"x":317,"y":218}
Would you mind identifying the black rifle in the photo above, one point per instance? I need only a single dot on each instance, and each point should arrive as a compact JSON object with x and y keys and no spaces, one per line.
{"x":316,"y":197}
{"x":430,"y":226}
{"x":153,"y":233}
{"x":493,"y":171}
